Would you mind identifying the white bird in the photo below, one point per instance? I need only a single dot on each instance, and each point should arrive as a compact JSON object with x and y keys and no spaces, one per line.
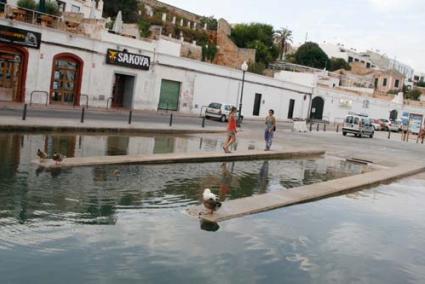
{"x":210,"y":200}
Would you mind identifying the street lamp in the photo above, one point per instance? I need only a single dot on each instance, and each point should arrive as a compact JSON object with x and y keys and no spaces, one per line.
{"x":244,"y":68}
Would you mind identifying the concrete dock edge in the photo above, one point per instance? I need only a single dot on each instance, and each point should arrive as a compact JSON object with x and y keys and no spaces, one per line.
{"x":269,"y":201}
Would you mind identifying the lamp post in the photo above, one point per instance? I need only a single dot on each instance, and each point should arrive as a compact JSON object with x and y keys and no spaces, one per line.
{"x":244,"y":68}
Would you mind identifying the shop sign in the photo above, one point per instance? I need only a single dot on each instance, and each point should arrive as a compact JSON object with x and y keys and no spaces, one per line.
{"x":126,"y":59}
{"x":19,"y":37}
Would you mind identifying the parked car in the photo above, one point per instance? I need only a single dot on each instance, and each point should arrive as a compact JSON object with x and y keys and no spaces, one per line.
{"x":359,"y":125}
{"x":395,"y":126}
{"x":386,"y":124}
{"x":377,"y":124}
{"x":218,"y":111}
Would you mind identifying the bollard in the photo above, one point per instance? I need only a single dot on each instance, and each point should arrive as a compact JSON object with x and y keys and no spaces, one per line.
{"x":130,"y":116}
{"x":337,"y":128}
{"x":311,"y":126}
{"x":24,"y":114}
{"x":203,"y":122}
{"x":171,"y":120}
{"x":417,"y":140}
{"x":83,"y":112}
{"x":324,"y":127}
{"x":318,"y":126}
{"x":389,"y":134}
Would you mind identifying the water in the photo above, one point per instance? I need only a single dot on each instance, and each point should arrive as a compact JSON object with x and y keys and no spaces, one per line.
{"x":84,"y":225}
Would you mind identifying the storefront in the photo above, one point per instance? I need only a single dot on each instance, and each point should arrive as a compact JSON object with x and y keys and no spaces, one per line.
{"x":124,"y":82}
{"x":66,"y":79}
{"x":14,"y":61}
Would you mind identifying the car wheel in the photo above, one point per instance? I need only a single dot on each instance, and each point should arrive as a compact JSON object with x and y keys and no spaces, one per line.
{"x":371,"y":135}
{"x":344,"y":133}
{"x":207,"y":117}
{"x":223,"y":118}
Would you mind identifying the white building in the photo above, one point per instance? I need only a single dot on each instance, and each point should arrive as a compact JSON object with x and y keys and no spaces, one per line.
{"x":90,"y":8}
{"x":349,"y":55}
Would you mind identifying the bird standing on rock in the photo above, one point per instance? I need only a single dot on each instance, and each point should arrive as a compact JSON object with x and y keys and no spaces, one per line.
{"x":210,"y":200}
{"x":42,"y":155}
{"x":58,"y":158}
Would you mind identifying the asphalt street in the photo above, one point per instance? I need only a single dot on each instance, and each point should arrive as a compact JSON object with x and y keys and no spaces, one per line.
{"x":121,"y":115}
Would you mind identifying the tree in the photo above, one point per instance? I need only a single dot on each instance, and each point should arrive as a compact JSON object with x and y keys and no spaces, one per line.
{"x":413,"y":95}
{"x":310,"y":54}
{"x":283,"y":37}
{"x":338,"y":63}
{"x":259,"y":37}
{"x":129,"y":9}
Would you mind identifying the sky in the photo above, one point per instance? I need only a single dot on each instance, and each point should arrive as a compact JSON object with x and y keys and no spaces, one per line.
{"x":394,"y":27}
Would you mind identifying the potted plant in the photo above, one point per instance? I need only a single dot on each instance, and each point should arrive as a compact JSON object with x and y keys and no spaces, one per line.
{"x":27,"y":4}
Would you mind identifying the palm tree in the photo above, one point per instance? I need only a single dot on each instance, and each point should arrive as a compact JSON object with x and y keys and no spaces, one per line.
{"x":282,"y":38}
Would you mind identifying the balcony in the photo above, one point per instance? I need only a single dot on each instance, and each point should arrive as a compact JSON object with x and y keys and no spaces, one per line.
{"x":67,"y":22}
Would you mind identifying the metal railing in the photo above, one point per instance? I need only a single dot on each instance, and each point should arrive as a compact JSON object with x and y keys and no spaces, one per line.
{"x":107,"y":102}
{"x":39,"y":92}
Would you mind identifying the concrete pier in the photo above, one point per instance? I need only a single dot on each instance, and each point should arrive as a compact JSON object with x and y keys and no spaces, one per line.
{"x":269,"y":201}
{"x":182,"y":158}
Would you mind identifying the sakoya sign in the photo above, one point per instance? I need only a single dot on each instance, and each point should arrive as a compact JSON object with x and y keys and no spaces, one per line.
{"x":123,"y":58}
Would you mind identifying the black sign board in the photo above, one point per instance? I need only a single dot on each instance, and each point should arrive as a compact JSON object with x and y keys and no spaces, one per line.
{"x":126,"y":59}
{"x":19,"y":37}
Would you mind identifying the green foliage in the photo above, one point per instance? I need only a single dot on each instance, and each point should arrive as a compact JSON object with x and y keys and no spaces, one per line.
{"x":421,"y":84}
{"x":257,"y":68}
{"x":413,"y":95}
{"x":283,"y":37}
{"x":27,"y":4}
{"x":258,"y":36}
{"x":129,"y":9}
{"x":209,"y":52}
{"x":211,"y":22}
{"x":144,"y":28}
{"x":310,"y":54}
{"x":51,"y":7}
{"x":338,"y":63}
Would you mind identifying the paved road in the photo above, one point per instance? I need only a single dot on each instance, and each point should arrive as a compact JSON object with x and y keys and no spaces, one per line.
{"x":116,"y":116}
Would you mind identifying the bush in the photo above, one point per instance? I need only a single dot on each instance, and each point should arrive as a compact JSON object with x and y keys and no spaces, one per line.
{"x":310,"y":54}
{"x":27,"y":4}
{"x":52,"y":8}
{"x":257,"y":68}
{"x":144,"y":27}
{"x":413,"y":95}
{"x":209,"y":52}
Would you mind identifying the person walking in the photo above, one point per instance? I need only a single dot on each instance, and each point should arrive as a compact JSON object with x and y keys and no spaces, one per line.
{"x":270,"y":129}
{"x":231,"y":130}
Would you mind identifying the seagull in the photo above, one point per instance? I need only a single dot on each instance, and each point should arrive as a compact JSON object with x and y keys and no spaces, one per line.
{"x":58,"y":158}
{"x":42,"y":155}
{"x":210,"y":200}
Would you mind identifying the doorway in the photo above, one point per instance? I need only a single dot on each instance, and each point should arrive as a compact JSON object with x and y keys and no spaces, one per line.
{"x":393,"y":115}
{"x":291,"y":109}
{"x":257,"y":105}
{"x":317,"y":107}
{"x":12,"y":75}
{"x":122,"y":91}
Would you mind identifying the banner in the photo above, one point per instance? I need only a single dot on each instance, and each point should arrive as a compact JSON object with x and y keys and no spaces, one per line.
{"x":126,"y":59}
{"x":415,"y":123}
{"x":19,"y":37}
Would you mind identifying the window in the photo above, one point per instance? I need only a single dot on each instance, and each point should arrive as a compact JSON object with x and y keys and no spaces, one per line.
{"x":397,"y":84}
{"x":385,"y":82}
{"x":75,"y":9}
{"x":350,"y":59}
{"x":61,"y":6}
{"x":356,"y":60}
{"x":368,"y":65}
{"x":356,"y":120}
{"x":349,"y":119}
{"x":66,"y":79}
{"x":376,"y":83}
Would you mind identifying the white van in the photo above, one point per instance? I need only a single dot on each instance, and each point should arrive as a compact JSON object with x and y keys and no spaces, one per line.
{"x":359,"y":125}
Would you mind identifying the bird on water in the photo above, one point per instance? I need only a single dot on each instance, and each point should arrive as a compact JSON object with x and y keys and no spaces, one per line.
{"x":210,"y":200}
{"x":58,"y":158}
{"x":42,"y":155}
